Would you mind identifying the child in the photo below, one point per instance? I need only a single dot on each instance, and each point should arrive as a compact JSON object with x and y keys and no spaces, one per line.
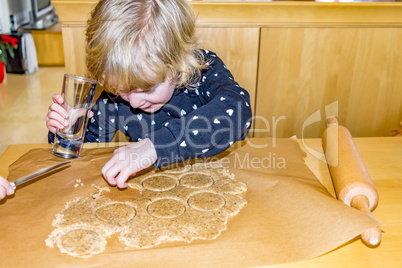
{"x":5,"y":188}
{"x":174,"y":100}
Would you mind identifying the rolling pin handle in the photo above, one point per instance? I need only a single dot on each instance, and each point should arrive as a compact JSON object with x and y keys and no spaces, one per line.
{"x":331,"y":121}
{"x":371,"y":236}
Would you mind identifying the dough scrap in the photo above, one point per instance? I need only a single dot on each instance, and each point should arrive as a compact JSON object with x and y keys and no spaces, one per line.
{"x":179,"y":203}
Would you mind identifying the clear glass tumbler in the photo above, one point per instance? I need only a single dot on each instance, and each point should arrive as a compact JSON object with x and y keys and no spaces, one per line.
{"x":78,"y":94}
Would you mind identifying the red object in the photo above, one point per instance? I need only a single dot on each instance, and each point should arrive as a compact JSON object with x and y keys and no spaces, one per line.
{"x":1,"y":72}
{"x":10,"y":40}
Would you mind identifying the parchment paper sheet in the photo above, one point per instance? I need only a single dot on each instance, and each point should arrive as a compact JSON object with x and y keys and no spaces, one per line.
{"x":289,"y":217}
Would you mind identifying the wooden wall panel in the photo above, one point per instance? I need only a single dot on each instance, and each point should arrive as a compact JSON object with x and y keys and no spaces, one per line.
{"x":303,"y":70}
{"x":238,"y":48}
{"x":309,"y":56}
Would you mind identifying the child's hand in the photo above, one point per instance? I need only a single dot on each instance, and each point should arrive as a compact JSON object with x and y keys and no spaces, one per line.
{"x":128,"y":160}
{"x":5,"y":188}
{"x":57,"y":115}
{"x":58,"y":118}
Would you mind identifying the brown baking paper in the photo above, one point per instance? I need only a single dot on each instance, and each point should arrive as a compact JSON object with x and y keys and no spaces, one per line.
{"x":289,"y":217}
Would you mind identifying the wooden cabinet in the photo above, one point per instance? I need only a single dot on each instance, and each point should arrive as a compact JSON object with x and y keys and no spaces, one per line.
{"x":300,"y":61}
{"x":49,"y":46}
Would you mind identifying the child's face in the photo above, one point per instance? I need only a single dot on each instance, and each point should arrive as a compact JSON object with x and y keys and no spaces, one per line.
{"x":153,"y":100}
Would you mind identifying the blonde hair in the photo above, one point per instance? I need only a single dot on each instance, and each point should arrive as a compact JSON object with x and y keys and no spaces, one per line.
{"x":138,"y":43}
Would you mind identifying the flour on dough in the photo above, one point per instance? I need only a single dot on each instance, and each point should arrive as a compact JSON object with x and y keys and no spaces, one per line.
{"x":177,"y":203}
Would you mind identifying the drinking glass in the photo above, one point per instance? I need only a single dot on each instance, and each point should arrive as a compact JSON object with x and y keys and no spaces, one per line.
{"x":78,"y":93}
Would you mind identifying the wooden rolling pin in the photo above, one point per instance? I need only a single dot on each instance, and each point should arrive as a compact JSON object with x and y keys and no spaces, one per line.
{"x":352,"y":182}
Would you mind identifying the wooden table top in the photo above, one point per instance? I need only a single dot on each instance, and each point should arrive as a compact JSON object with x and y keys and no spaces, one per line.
{"x":383,"y":159}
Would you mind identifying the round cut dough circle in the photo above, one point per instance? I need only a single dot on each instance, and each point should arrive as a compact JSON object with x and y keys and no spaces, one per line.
{"x":196,"y":180}
{"x":81,"y":243}
{"x":159,"y":183}
{"x":166,"y":208}
{"x":206,"y":201}
{"x":115,"y":213}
